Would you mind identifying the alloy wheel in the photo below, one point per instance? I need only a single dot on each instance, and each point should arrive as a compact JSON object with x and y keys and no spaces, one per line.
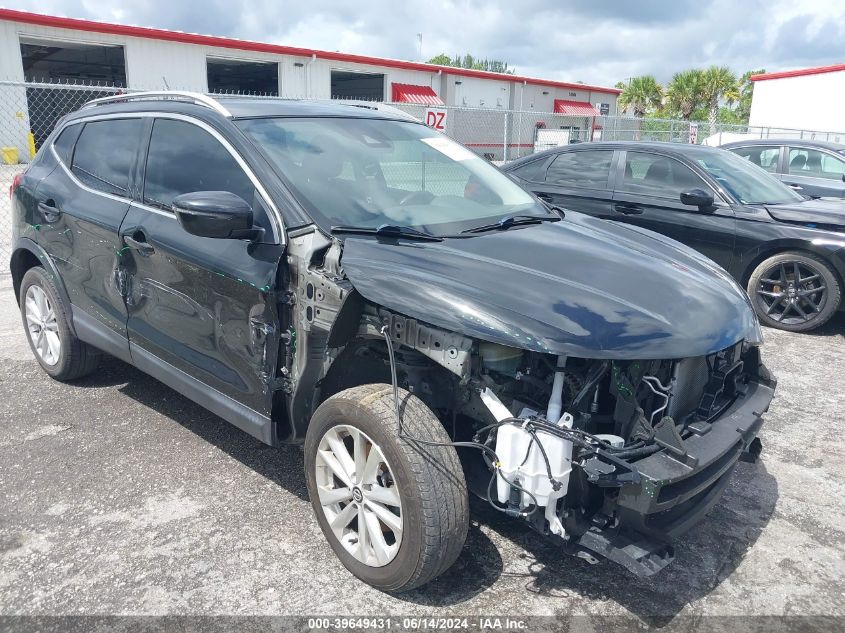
{"x":42,"y":325}
{"x":792,"y":293}
{"x":359,"y":496}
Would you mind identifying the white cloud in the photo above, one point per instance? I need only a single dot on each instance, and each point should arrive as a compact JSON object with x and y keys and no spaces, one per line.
{"x":595,"y":41}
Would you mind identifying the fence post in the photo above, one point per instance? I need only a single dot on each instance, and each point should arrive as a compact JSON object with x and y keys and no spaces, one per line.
{"x":505,"y":144}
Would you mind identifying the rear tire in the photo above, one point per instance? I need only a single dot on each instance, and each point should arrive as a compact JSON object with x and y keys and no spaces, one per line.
{"x":427,"y":483}
{"x":47,"y":326}
{"x":794,"y":291}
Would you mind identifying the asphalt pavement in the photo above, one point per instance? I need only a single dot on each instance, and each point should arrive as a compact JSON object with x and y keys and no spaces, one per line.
{"x":119,"y":496}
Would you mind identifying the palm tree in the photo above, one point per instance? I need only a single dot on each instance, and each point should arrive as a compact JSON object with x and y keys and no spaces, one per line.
{"x":641,"y":94}
{"x":684,"y":92}
{"x":746,"y":93}
{"x":718,"y":82}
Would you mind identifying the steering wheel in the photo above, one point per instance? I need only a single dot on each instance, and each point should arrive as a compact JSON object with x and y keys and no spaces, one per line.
{"x":417,"y":197}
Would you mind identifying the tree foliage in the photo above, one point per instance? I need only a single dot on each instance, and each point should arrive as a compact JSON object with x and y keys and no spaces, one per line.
{"x":746,"y":92}
{"x":711,"y":94}
{"x":718,"y":84}
{"x":468,"y":61}
{"x":641,"y":95}
{"x":684,"y":93}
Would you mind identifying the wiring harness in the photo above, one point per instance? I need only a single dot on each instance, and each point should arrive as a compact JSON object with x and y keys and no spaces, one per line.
{"x":601,"y":462}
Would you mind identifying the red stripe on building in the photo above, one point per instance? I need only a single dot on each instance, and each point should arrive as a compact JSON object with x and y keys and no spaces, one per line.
{"x":260,"y":47}
{"x":819,"y":70}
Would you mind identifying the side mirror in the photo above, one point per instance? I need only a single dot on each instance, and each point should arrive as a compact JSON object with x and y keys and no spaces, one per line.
{"x":218,"y":214}
{"x":698,"y":198}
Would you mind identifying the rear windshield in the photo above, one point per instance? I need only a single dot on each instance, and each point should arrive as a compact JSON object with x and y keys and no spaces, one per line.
{"x":367,"y":172}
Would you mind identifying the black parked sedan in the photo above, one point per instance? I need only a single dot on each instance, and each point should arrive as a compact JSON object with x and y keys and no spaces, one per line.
{"x":786,"y":250}
{"x":813,"y":168}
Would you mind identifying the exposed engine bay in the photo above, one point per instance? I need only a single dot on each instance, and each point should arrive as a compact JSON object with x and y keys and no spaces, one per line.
{"x":610,"y":457}
{"x":566,"y":435}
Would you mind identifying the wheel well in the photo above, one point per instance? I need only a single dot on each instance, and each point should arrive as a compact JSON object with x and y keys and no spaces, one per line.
{"x":749,"y":270}
{"x":22,"y":261}
{"x":361,"y":362}
{"x":365,"y":361}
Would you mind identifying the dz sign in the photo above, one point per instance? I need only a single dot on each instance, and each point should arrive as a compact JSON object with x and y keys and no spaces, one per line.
{"x":436,"y":119}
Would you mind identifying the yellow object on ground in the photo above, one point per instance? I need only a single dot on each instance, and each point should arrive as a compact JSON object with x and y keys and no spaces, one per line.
{"x":31,"y":140}
{"x":9,"y":155}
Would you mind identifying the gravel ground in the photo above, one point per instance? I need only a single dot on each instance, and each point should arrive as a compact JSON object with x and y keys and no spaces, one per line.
{"x":119,"y":496}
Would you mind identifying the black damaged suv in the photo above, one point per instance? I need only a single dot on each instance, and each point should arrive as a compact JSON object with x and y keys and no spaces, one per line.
{"x":348,"y":278}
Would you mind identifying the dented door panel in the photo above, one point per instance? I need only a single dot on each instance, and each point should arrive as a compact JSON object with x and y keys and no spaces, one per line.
{"x":83,"y":242}
{"x":205,"y":306}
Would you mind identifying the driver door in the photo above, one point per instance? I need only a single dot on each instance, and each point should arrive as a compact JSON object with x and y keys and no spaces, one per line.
{"x":647,"y":194}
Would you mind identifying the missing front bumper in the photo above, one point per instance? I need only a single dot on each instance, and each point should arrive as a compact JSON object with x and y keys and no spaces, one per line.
{"x":672,"y":496}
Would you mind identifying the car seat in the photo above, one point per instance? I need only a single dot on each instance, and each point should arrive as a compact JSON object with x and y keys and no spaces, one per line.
{"x":798,"y":163}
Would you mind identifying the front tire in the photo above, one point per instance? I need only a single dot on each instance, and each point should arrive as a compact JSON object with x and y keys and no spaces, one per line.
{"x":47,"y":325}
{"x":410,"y":498}
{"x":794,"y":291}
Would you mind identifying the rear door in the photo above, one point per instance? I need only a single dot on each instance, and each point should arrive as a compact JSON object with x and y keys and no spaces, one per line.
{"x":648,"y":195}
{"x":201,"y":307}
{"x":815,"y":172}
{"x":81,"y":206}
{"x":575,"y":179}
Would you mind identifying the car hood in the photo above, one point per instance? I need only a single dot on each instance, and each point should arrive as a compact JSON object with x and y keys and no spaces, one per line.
{"x":829,"y":211}
{"x":581,"y":287}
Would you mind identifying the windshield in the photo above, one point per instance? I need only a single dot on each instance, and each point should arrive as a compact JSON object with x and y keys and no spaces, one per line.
{"x":747,"y":182}
{"x":368,"y":172}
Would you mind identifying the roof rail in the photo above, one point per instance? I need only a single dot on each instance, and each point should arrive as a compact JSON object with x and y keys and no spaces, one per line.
{"x":164,"y":95}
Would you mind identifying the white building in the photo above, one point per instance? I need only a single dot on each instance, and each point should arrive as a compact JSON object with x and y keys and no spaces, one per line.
{"x":42,"y":48}
{"x":806,"y":99}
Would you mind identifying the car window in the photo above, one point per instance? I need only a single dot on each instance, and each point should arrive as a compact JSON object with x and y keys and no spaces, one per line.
{"x":810,"y":162}
{"x":655,"y":175}
{"x":65,"y":142}
{"x":184,"y":158}
{"x":531,"y":170}
{"x":765,"y":156}
{"x":105,"y":153}
{"x":585,"y":168}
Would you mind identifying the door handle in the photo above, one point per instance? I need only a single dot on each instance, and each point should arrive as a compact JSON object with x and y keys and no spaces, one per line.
{"x":627,"y":208}
{"x":139,"y":243}
{"x":49,"y":211}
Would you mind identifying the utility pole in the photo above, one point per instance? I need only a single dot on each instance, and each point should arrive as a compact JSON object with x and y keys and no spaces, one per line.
{"x":419,"y":37}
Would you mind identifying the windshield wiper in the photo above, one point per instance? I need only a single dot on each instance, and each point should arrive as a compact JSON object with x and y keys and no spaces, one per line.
{"x":389,"y":230}
{"x":517,"y":219}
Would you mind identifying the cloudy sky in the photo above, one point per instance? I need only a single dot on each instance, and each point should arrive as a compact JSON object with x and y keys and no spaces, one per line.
{"x":595,"y":41}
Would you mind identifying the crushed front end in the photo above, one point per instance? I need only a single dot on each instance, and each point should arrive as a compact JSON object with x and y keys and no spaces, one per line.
{"x":617,"y":459}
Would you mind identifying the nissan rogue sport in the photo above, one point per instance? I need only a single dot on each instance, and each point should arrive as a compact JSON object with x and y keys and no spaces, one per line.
{"x":349,"y":278}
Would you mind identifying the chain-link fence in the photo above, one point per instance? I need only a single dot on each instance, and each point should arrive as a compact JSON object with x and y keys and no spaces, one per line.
{"x":503,"y":135}
{"x":29,"y":112}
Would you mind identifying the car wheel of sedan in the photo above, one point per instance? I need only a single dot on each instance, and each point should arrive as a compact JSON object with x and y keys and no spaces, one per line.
{"x":45,"y":319}
{"x":794,"y":291}
{"x":393,"y":510}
